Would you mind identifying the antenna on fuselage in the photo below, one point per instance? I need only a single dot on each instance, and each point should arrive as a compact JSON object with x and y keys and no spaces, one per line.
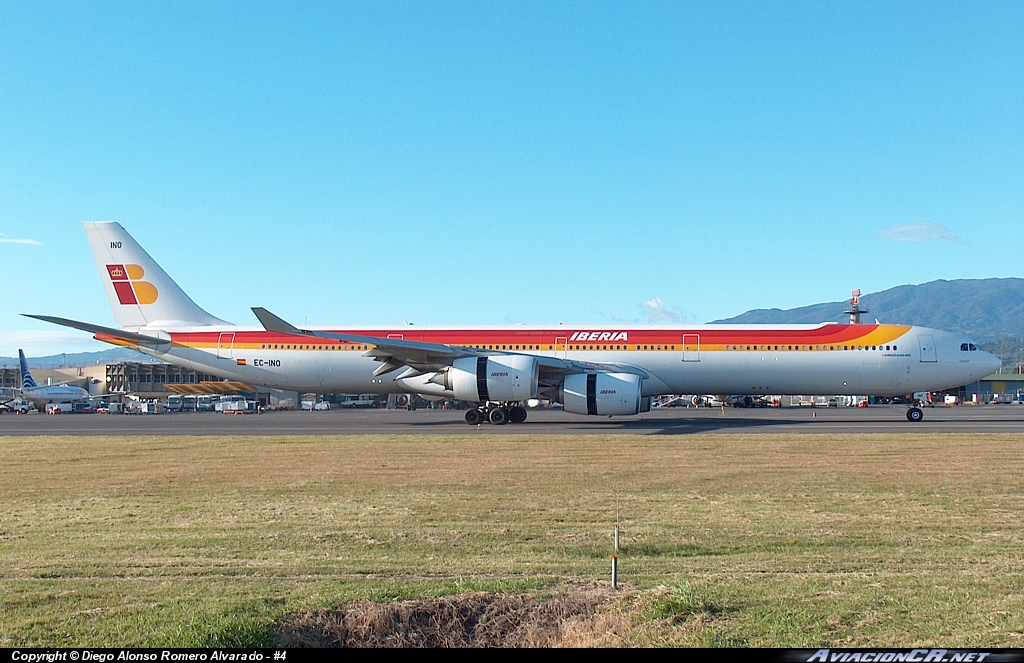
{"x":855,"y":309}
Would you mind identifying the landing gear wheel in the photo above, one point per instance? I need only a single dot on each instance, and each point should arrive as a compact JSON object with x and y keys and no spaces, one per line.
{"x":516,"y":415}
{"x":915,"y":414}
{"x":498,"y":416}
{"x":474,"y":417}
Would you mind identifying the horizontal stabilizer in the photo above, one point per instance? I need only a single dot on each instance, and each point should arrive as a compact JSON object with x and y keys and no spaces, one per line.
{"x":97,"y":329}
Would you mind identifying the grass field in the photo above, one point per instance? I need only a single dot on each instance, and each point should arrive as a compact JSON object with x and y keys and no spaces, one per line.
{"x":727,"y":540}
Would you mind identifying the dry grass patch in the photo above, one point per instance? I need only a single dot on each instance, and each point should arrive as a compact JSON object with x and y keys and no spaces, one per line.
{"x":579,"y":618}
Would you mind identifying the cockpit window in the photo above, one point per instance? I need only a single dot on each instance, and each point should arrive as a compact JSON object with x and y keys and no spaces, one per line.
{"x":973,"y":347}
{"x":964,"y":347}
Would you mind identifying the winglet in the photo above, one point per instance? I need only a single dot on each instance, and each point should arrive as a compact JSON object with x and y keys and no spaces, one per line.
{"x":272,"y":323}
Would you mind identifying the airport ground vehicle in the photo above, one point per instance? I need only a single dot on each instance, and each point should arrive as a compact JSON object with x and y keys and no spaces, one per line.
{"x":236,"y":405}
{"x":18,"y":406}
{"x":607,"y":370}
{"x":359,"y":401}
{"x":144,"y":407}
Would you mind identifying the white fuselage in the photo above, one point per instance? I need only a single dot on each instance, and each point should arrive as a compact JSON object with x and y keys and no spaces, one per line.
{"x":917,"y":359}
{"x":61,"y":393}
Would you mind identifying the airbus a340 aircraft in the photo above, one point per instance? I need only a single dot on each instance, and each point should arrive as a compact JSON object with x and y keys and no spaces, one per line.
{"x":589,"y":369}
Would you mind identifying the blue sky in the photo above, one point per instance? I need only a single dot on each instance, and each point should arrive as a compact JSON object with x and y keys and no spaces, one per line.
{"x":484,"y":163}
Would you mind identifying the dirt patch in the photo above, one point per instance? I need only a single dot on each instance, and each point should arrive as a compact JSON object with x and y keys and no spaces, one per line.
{"x":584,"y":617}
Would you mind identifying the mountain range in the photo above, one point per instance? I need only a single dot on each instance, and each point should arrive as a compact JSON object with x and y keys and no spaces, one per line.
{"x":983,"y":309}
{"x":76,"y":359}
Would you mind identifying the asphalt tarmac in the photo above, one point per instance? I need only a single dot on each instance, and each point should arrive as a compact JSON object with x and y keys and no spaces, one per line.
{"x":668,"y":421}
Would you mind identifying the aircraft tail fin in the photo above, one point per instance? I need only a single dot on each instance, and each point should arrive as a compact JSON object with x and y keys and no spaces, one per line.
{"x":139,"y":291}
{"x":27,"y":381}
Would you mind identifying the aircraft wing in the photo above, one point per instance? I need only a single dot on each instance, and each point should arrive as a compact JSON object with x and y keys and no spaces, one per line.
{"x":392,"y":352}
{"x":395,"y":353}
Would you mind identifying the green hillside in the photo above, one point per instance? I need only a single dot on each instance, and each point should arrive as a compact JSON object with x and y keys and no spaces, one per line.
{"x":984,"y":309}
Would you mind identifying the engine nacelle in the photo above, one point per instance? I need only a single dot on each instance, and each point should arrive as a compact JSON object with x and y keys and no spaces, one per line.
{"x":500,"y":378}
{"x":603,"y":393}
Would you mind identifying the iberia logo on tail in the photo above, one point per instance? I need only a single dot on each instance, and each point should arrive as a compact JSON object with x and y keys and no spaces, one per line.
{"x":130,"y":290}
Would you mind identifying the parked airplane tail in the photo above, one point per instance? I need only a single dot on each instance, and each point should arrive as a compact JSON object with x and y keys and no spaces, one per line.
{"x":139,"y":291}
{"x":27,"y":381}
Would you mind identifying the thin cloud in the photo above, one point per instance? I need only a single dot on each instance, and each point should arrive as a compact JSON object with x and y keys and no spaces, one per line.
{"x":923,"y":232}
{"x":5,"y":240}
{"x":658,"y":311}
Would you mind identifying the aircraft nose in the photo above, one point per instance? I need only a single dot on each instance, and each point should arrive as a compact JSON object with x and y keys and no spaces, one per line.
{"x":993,"y":363}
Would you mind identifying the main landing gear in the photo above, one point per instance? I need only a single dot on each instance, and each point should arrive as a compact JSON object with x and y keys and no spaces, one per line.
{"x":915,"y":414}
{"x":499,"y":415}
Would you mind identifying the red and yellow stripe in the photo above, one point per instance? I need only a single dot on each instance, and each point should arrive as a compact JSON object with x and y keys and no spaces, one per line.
{"x":825,"y":337}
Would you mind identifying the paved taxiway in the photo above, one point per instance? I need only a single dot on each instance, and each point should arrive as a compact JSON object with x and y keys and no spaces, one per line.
{"x":670,"y":421}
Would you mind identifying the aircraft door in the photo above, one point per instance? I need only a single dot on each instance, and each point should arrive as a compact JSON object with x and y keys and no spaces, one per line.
{"x":561,"y":347}
{"x":927,"y":348}
{"x":226,"y":346}
{"x":691,"y":347}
